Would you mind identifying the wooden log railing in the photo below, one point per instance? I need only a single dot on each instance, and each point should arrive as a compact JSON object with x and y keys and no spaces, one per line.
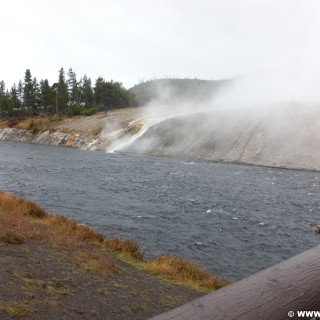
{"x":278,"y":292}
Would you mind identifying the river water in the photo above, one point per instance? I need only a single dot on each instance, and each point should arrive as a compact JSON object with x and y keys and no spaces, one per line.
{"x":231,"y":219}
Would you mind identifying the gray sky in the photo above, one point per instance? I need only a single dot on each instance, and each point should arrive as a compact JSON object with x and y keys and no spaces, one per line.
{"x":129,"y":40}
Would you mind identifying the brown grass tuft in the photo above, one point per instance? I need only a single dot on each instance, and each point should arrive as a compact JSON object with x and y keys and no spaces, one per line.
{"x":96,"y":262}
{"x":10,"y":237}
{"x":16,"y":309}
{"x":40,"y":124}
{"x":70,"y":226}
{"x":126,"y":247}
{"x":3,"y":124}
{"x":16,"y":228}
{"x":183,"y":271}
{"x":14,"y":204}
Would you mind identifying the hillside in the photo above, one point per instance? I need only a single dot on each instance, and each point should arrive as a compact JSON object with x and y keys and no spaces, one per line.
{"x":176,"y":90}
{"x":85,"y":132}
{"x":276,"y":135}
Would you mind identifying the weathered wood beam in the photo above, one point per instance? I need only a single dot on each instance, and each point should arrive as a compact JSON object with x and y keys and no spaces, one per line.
{"x":292,"y":285}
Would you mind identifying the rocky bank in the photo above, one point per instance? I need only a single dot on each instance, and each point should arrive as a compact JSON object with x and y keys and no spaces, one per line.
{"x":56,"y":138}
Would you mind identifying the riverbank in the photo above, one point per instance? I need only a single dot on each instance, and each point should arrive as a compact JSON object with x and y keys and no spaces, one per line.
{"x":53,"y":268}
{"x":85,"y":132}
{"x":285,"y":137}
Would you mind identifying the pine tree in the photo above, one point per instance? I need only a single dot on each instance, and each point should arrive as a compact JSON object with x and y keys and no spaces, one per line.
{"x":80,"y":89}
{"x":109,"y":95}
{"x":87,"y":92}
{"x":2,"y":99}
{"x":47,"y":96}
{"x":2,"y":87}
{"x":15,"y":101}
{"x":100,"y":94}
{"x":5,"y":103}
{"x":62,"y":92}
{"x":20,"y":91}
{"x":28,"y":92}
{"x":36,"y":97}
{"x":73,"y":88}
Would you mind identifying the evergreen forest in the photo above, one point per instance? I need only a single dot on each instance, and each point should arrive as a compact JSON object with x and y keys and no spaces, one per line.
{"x":68,"y":95}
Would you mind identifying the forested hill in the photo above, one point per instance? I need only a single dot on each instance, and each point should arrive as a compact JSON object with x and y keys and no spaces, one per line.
{"x":69,"y":95}
{"x":176,"y":90}
{"x":73,"y":96}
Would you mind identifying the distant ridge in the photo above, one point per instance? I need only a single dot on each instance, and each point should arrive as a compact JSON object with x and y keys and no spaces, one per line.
{"x":176,"y":90}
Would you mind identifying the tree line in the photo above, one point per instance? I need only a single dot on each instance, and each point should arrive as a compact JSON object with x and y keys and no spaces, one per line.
{"x":66,"y":96}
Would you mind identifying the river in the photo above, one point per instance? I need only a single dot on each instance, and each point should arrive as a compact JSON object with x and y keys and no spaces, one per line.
{"x":231,"y":219}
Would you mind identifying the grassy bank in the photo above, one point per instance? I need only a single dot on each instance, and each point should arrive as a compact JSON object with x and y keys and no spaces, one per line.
{"x":51,"y":261}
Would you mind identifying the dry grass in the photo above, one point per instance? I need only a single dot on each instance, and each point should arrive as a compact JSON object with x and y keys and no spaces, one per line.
{"x":3,"y":124}
{"x":71,"y":227}
{"x":17,"y":228}
{"x":127,"y":248}
{"x":38,"y":123}
{"x":95,"y":262}
{"x":185,"y":272}
{"x":10,"y":237}
{"x":16,"y":309}
{"x":24,"y":124}
{"x":43,"y":124}
{"x":14,"y":204}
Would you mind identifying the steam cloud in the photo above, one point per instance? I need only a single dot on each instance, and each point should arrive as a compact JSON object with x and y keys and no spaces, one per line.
{"x":268,"y":115}
{"x":261,"y":119}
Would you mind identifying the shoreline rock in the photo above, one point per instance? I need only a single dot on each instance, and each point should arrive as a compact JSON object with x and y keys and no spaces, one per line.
{"x":56,"y":138}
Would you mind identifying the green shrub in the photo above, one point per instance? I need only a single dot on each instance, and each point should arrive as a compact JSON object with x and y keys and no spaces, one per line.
{"x":34,"y":127}
{"x":90,"y":112}
{"x":78,"y":110}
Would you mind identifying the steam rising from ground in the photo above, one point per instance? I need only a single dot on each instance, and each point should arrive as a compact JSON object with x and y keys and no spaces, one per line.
{"x":268,"y":88}
{"x":268,"y":119}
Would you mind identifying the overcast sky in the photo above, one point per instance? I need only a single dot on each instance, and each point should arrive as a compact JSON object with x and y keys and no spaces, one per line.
{"x":132,"y":40}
